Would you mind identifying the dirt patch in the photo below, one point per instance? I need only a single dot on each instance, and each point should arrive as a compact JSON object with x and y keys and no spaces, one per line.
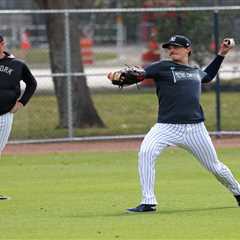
{"x":95,"y":146}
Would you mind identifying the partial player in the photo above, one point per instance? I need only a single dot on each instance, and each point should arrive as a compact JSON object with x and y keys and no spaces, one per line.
{"x":12,"y":71}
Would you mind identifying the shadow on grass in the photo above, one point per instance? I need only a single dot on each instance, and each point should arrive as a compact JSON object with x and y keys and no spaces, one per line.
{"x":173,"y":211}
{"x":159,"y":212}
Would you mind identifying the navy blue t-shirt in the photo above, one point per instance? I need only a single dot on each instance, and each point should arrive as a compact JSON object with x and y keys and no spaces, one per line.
{"x":178,"y":89}
{"x":12,"y":71}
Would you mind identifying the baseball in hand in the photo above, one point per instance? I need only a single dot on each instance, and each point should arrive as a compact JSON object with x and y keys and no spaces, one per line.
{"x":229,"y":42}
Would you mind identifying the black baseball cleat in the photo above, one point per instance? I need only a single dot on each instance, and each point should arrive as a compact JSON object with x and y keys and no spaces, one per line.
{"x":238,"y":199}
{"x":4,"y":197}
{"x":143,"y":208}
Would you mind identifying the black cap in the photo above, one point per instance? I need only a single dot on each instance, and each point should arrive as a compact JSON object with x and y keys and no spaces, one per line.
{"x":178,"y":40}
{"x":1,"y":38}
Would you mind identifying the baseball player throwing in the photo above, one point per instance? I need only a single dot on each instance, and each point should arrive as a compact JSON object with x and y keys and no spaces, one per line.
{"x":12,"y":71}
{"x":180,"y":116}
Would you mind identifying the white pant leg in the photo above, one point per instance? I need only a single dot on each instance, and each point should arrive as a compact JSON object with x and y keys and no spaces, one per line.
{"x":6,"y":121}
{"x":200,"y":144}
{"x":157,"y":139}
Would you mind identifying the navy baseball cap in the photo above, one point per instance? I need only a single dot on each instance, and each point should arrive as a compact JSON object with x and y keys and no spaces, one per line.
{"x":178,"y":40}
{"x":1,"y":38}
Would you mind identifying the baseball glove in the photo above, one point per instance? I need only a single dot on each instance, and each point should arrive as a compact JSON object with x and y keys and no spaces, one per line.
{"x":127,"y":76}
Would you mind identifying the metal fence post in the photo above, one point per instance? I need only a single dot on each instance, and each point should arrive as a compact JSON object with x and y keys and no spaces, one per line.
{"x":120,"y":33}
{"x":218,"y":86}
{"x":69,"y":78}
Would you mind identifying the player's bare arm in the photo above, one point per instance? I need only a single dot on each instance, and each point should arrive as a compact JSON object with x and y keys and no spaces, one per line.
{"x":18,"y":105}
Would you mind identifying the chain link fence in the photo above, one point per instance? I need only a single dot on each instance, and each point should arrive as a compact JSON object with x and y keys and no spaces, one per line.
{"x":106,"y":40}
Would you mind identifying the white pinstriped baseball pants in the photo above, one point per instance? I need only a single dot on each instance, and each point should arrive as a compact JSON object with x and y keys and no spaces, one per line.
{"x":6,"y":121}
{"x":192,"y":137}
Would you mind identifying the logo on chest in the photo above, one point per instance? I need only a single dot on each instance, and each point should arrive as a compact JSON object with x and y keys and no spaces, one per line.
{"x":185,"y":75}
{"x":6,"y":69}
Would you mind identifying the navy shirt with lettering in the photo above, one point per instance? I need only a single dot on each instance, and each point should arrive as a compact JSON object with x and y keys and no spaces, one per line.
{"x":178,"y":89}
{"x":12,"y":71}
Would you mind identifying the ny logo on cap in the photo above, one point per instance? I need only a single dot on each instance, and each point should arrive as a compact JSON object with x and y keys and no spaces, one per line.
{"x":173,"y":38}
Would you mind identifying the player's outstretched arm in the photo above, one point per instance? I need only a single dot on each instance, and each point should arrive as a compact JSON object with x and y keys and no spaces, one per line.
{"x":213,"y":67}
{"x":127,"y":76}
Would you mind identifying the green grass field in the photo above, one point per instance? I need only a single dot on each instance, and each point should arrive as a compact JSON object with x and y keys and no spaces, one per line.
{"x":123,"y":112}
{"x":84,"y":196}
{"x":39,"y":57}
